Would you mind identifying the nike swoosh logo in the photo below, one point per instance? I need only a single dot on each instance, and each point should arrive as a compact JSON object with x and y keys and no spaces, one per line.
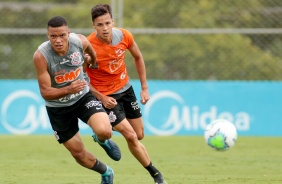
{"x":54,"y":65}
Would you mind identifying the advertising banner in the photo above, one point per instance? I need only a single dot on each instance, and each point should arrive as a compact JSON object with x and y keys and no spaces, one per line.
{"x":175,"y":107}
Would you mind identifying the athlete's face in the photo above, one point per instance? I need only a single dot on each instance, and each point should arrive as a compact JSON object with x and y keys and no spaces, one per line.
{"x":59,"y":37}
{"x":103,"y":26}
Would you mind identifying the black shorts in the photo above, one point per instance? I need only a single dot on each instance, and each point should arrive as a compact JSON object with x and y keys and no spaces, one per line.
{"x":64,"y":120}
{"x":127,"y":107}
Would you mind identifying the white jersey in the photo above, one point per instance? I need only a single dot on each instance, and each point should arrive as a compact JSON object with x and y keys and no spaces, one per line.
{"x":65,"y":69}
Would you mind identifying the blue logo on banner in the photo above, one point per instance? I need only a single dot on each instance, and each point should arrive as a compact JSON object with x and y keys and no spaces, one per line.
{"x":23,"y":113}
{"x":175,"y":116}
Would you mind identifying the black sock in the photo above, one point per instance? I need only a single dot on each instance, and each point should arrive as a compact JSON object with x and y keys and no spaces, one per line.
{"x":152,"y":170}
{"x":99,"y":167}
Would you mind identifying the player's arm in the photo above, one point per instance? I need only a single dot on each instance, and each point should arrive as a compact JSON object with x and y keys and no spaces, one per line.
{"x":44,"y":80}
{"x":108,"y":102}
{"x":90,"y":54}
{"x":141,"y":70}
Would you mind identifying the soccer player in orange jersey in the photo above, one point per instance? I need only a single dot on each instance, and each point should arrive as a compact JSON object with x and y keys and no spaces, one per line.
{"x":110,"y":83}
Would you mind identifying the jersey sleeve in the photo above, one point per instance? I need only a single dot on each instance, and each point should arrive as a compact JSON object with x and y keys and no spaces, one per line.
{"x":76,"y":40}
{"x":128,"y":37}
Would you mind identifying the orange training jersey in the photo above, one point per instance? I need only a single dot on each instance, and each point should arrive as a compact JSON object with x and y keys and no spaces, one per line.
{"x":110,"y":75}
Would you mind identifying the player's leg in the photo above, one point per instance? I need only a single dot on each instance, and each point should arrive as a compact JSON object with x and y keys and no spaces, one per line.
{"x":138,"y":150}
{"x":138,"y":127}
{"x":132,"y":112}
{"x":135,"y":146}
{"x":64,"y":122}
{"x":92,"y":112}
{"x":87,"y":159}
{"x":100,"y":124}
{"x":102,"y":129}
{"x":77,"y":150}
{"x":134,"y":118}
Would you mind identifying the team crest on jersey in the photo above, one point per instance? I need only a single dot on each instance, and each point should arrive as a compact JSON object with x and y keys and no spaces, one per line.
{"x":112,"y":117}
{"x":115,"y":64}
{"x":76,"y":58}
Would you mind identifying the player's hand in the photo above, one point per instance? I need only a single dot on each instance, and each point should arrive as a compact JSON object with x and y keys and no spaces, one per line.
{"x":109,"y":102}
{"x":144,"y":94}
{"x":77,"y":86}
{"x":89,"y":60}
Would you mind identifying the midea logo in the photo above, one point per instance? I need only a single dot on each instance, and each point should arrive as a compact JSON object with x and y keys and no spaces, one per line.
{"x":13,"y":108}
{"x":24,"y":112}
{"x":166,"y":114}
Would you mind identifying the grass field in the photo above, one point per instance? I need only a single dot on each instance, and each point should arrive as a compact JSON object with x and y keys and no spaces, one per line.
{"x":40,"y":159}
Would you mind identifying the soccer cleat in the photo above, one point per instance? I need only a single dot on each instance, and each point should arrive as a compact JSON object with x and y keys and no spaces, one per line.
{"x":108,"y":176}
{"x":110,"y":147}
{"x":159,"y":179}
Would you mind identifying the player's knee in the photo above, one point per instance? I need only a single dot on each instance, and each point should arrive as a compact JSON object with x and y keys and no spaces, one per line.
{"x":104,"y":135}
{"x":131,"y":137}
{"x":140,"y":135}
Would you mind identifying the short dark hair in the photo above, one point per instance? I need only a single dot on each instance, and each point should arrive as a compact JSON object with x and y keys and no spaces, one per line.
{"x":57,"y":21}
{"x":99,"y":10}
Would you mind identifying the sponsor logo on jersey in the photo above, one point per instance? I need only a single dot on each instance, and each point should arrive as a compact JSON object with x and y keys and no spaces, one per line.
{"x":94,"y":103}
{"x":69,"y":97}
{"x":68,"y":76}
{"x":64,"y":61}
{"x":119,"y":52}
{"x":53,"y":66}
{"x":56,"y":135}
{"x":135,"y":105}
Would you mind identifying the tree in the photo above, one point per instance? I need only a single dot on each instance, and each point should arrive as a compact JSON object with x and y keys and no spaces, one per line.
{"x":167,"y":56}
